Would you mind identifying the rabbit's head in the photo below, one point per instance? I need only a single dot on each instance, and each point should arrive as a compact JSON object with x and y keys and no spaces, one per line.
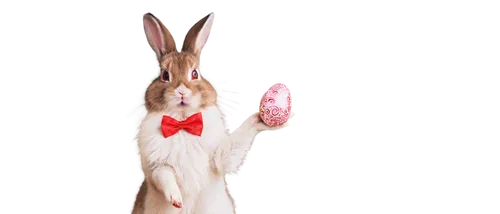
{"x":180,"y":85}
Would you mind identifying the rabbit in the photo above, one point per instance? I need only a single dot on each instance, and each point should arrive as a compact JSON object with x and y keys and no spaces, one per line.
{"x":185,"y":168}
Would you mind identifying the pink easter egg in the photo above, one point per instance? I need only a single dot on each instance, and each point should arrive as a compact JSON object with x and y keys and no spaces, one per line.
{"x":276,"y":105}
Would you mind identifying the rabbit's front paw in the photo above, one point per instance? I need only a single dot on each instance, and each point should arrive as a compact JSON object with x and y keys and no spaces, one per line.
{"x":257,"y":124}
{"x":174,"y":196}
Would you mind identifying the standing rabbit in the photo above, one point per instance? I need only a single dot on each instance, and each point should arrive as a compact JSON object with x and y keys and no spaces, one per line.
{"x":184,"y":145}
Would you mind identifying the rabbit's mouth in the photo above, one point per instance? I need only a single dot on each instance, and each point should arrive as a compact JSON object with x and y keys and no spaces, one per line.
{"x":184,"y":102}
{"x":184,"y":99}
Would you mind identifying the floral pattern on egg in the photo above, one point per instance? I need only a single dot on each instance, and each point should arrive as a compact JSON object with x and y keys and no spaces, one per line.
{"x":276,"y":105}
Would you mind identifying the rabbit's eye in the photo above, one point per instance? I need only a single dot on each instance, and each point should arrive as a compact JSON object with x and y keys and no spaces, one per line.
{"x":165,"y":77}
{"x":194,"y":75}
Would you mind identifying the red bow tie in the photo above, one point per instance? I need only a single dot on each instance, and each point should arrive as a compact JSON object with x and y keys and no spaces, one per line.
{"x":193,"y":125}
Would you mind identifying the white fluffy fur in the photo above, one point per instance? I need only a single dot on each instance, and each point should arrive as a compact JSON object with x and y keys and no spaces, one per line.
{"x":192,"y":168}
{"x":183,"y":168}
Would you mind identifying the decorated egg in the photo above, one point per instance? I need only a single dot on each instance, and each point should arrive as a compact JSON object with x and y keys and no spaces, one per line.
{"x":276,"y":105}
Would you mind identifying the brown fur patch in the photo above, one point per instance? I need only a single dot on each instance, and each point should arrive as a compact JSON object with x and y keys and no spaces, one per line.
{"x":140,"y":199}
{"x":159,"y":38}
{"x":179,"y":66}
{"x":192,"y":34}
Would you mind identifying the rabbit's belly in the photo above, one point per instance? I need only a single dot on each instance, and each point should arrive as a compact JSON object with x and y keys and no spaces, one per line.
{"x":189,"y":161}
{"x":215,"y":198}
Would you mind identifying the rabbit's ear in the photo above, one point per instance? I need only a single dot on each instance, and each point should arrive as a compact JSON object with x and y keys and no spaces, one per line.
{"x":159,"y":38}
{"x":198,"y":34}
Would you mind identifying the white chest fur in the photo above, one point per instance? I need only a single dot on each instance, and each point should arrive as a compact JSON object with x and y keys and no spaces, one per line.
{"x":187,"y":154}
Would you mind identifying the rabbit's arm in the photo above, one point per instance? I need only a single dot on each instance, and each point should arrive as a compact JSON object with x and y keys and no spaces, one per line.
{"x":163,"y":178}
{"x":230,"y":154}
{"x":233,"y":148}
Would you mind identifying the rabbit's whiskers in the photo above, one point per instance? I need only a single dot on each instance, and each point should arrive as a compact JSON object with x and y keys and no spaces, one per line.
{"x":231,"y":107}
{"x":219,"y":83}
{"x":230,"y":100}
{"x":233,"y":92}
